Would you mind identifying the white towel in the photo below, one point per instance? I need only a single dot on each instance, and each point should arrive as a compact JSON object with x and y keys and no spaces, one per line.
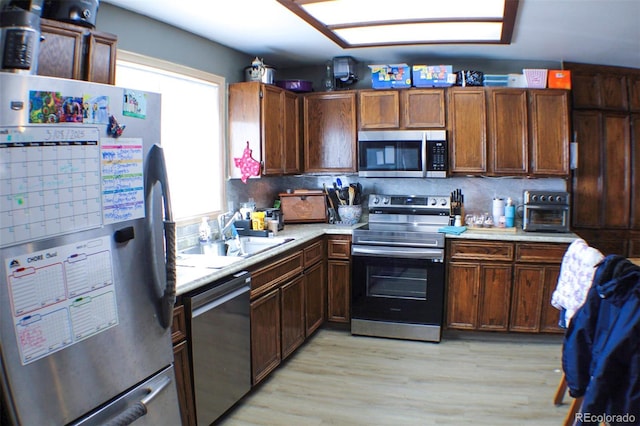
{"x":576,"y":275}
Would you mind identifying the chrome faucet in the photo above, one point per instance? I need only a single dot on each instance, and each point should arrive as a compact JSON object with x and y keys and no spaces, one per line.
{"x":224,"y":225}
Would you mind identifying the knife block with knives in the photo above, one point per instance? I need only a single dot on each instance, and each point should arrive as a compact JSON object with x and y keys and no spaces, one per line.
{"x":456,"y":205}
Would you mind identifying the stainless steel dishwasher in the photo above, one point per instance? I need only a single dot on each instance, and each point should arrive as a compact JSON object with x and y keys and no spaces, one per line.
{"x":220,"y":339}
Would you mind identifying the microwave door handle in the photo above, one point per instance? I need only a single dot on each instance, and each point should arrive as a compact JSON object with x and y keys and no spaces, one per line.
{"x":424,"y":154}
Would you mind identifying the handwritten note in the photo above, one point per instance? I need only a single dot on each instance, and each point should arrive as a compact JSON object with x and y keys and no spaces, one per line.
{"x":122,"y":179}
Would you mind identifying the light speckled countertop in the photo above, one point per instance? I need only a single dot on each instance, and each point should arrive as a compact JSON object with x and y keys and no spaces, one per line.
{"x":191,"y":278}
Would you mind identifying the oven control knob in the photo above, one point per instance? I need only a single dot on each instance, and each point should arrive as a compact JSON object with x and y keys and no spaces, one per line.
{"x":433,"y":201}
{"x":443,"y":202}
{"x":386,"y":200}
{"x":559,"y":199}
{"x":376,"y":200}
{"x":543,"y":198}
{"x":534,"y":198}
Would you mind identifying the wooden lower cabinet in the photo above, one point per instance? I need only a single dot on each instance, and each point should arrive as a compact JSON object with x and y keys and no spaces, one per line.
{"x":293,"y":327}
{"x":503,"y":286}
{"x":315,"y":296}
{"x":339,"y":279}
{"x":288,"y":305}
{"x":339,"y":291}
{"x":477,"y":295}
{"x":265,"y":335}
{"x":182,"y":367}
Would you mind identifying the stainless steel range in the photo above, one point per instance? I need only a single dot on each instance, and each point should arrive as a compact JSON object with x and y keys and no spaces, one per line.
{"x":398,"y":268}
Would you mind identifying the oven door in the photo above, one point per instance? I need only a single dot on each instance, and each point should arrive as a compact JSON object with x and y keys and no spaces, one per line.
{"x":543,"y":218}
{"x":397,"y":284}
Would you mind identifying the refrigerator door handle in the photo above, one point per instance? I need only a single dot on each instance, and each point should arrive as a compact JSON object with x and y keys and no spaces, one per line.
{"x":139,"y":408}
{"x":157,"y":173}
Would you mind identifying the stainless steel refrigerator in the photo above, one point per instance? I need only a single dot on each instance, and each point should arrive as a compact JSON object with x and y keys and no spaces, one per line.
{"x":87,"y":256}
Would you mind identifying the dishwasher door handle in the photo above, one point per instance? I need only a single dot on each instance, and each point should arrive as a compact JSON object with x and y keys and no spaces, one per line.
{"x":219,"y":301}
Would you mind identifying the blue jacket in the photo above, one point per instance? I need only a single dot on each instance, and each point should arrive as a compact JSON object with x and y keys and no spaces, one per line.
{"x":601,"y":352}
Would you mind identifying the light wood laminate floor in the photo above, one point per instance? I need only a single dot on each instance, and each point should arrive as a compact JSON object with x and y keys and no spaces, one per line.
{"x":467,"y":379}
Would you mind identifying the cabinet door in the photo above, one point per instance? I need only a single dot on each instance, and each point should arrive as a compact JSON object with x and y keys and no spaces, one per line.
{"x":291,"y":143}
{"x":272,"y":130}
{"x":61,"y":50}
{"x":549,"y":112}
{"x":586,"y":89}
{"x":315,"y":296}
{"x":550,"y":315}
{"x":635,"y":175}
{"x":183,"y":383}
{"x":604,"y":170}
{"x":634,"y":92}
{"x":494,"y":297}
{"x":614,"y":92}
{"x":101,"y":61}
{"x":526,"y":302}
{"x":468,"y":121}
{"x":509,"y":134}
{"x":462,"y":295}
{"x":422,"y":108}
{"x":379,"y":109}
{"x":617,"y":170}
{"x":586,"y":194}
{"x":265,"y":335}
{"x":330,"y":132}
{"x":293,"y":319}
{"x":339,"y":291}
{"x":244,"y":123}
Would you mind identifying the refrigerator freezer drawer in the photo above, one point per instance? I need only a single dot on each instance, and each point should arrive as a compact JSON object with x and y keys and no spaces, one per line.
{"x":155,"y":401}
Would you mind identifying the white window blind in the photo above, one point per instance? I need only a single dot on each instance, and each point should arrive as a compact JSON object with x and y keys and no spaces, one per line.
{"x":192,"y":130}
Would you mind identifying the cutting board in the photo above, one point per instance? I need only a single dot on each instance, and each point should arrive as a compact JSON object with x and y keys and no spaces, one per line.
{"x":493,"y":230}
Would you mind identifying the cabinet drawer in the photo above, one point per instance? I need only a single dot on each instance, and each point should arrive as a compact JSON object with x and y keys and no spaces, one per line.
{"x":480,"y":250}
{"x":179,"y":325}
{"x":313,"y":253}
{"x":339,"y":248}
{"x":540,"y":253}
{"x":276,"y":273}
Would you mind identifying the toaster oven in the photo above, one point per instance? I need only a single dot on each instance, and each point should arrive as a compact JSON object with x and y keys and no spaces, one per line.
{"x":546,"y":211}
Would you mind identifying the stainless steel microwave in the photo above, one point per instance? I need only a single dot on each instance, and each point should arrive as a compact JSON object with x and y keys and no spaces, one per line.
{"x":402,"y":153}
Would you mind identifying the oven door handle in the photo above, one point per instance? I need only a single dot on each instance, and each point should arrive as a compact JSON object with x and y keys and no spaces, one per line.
{"x":415,"y":253}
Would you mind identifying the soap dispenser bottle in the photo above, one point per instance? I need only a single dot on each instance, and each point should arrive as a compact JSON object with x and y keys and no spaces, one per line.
{"x":204,"y":231}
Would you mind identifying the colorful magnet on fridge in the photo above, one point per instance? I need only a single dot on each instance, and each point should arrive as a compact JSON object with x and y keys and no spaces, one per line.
{"x":113,"y":128}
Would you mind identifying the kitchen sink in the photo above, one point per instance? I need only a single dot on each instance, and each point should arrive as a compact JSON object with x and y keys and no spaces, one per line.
{"x":215,"y":255}
{"x":254,"y":245}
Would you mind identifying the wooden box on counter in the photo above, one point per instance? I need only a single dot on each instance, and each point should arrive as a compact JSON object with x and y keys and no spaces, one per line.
{"x":303,"y":206}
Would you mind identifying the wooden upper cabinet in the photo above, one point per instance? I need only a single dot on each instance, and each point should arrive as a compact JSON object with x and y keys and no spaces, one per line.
{"x":600,"y":87}
{"x":549,"y":112}
{"x":267,"y":118}
{"x":379,"y":109}
{"x":468,"y":124}
{"x":76,"y":52}
{"x":330,"y":132}
{"x":61,"y":49}
{"x":422,"y":108}
{"x":272,"y":119}
{"x":617,"y":164}
{"x":508,"y":147}
{"x":635,"y":176}
{"x":634,"y":92}
{"x":401,"y":109}
{"x":101,"y":60}
{"x":292,"y":134}
{"x":586,"y":195}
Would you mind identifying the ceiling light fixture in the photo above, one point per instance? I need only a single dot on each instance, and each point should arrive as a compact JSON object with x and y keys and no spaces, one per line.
{"x":369,"y":23}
